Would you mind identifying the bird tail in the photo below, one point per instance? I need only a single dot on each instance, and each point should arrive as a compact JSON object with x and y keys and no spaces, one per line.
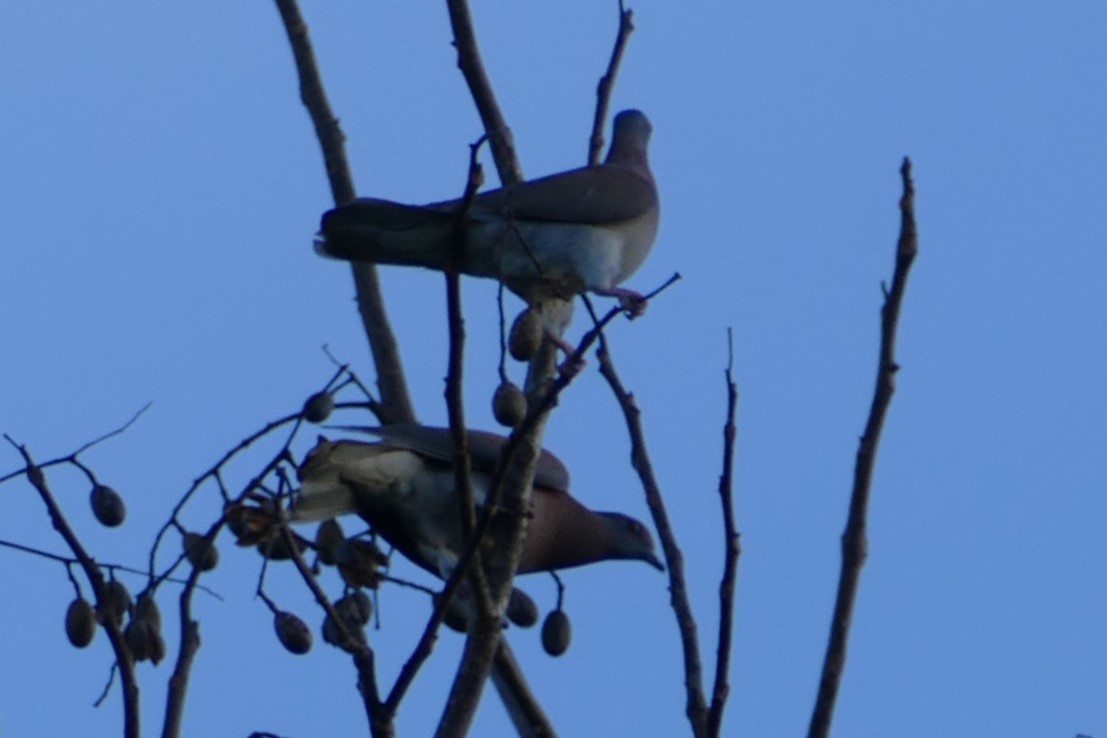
{"x":385,"y":232}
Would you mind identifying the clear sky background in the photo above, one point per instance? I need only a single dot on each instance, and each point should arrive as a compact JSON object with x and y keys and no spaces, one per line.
{"x":159,"y":187}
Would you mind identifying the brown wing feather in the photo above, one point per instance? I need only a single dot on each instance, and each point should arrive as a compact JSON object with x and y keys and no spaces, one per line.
{"x":591,"y":195}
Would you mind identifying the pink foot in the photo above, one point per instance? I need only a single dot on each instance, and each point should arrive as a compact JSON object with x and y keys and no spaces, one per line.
{"x":632,"y":303}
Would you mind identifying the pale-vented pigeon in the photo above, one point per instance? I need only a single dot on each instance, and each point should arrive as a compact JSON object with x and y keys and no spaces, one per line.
{"x":403,"y":486}
{"x":582,"y":230}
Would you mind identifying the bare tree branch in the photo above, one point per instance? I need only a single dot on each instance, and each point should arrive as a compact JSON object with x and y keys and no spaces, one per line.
{"x":854,"y":539}
{"x":509,"y":530}
{"x":509,"y":494}
{"x":472,"y":68}
{"x":607,"y":84}
{"x":71,"y":458}
{"x":733,"y":549}
{"x":462,"y":466}
{"x":541,"y":399}
{"x":455,"y":401}
{"x":696,"y":707}
{"x":190,"y":629}
{"x":123,"y":659}
{"x":213,"y":472}
{"x":395,"y":401}
{"x":528,"y":716}
{"x":186,"y":654}
{"x":380,"y":717}
{"x":103,"y":564}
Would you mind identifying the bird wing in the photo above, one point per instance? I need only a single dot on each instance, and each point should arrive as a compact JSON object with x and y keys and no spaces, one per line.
{"x":609,"y":193}
{"x":484,"y":450}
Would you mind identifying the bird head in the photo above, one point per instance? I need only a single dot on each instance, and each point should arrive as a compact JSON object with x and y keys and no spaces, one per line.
{"x":630,"y":539}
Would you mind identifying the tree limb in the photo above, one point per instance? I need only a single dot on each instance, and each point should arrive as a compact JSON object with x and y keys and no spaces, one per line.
{"x":123,"y":659}
{"x":395,"y":401}
{"x":732,"y":550}
{"x":696,"y":707}
{"x":607,"y":84}
{"x":854,"y":540}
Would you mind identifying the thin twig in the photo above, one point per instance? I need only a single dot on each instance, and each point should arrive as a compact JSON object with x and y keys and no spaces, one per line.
{"x":607,"y":83}
{"x":255,"y":483}
{"x":212,"y":472}
{"x":109,"y":566}
{"x":732,"y":550}
{"x":373,"y":404}
{"x":190,"y":629}
{"x":455,"y":400}
{"x":112,"y":434}
{"x":71,"y":458}
{"x":696,"y":707}
{"x":854,"y":540}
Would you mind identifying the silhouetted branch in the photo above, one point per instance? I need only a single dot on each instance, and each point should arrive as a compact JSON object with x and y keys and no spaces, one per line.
{"x":696,"y":707}
{"x":607,"y":83}
{"x":461,"y":461}
{"x":733,"y":549}
{"x":186,"y":656}
{"x":213,"y":472}
{"x":854,"y":540}
{"x":395,"y":402}
{"x":469,"y":62}
{"x":528,"y":716}
{"x":455,"y":372}
{"x":380,"y":718}
{"x":95,"y":577}
{"x":104,"y":565}
{"x":71,"y":458}
{"x":507,"y":540}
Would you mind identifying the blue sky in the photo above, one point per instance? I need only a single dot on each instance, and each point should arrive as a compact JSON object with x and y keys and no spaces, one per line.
{"x":160,"y":186}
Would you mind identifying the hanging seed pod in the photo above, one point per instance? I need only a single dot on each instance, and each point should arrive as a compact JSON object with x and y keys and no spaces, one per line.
{"x":556,"y":633}
{"x":117,"y":601}
{"x":275,"y":548}
{"x":318,"y":407}
{"x":292,"y":633}
{"x":250,"y":523}
{"x":525,"y":336}
{"x":80,"y":622}
{"x":509,"y":405}
{"x":521,"y":609}
{"x":359,"y":563}
{"x":200,"y":551}
{"x":327,"y":539}
{"x":144,"y":639}
{"x":107,"y":506}
{"x":157,"y":647}
{"x":143,"y":633}
{"x":355,"y":608}
{"x":138,"y":636}
{"x":146,"y":609}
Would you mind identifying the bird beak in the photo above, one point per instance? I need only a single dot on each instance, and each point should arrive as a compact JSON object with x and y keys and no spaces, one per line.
{"x":653,"y":561}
